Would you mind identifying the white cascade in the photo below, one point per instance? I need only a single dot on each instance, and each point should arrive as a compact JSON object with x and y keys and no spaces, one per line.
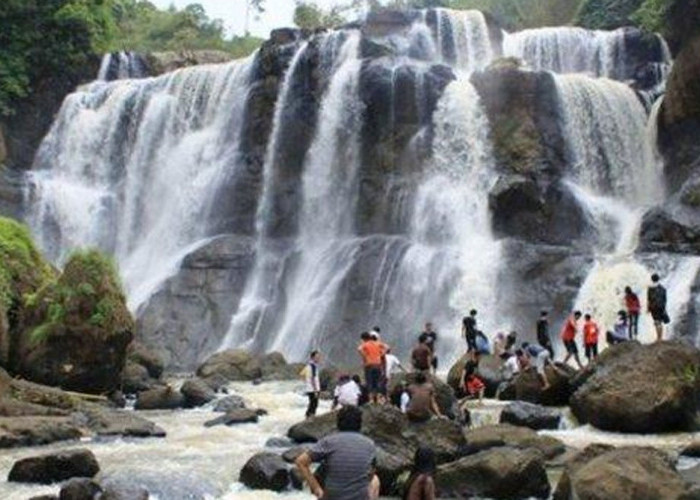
{"x":463,"y":39}
{"x":121,"y":65}
{"x":132,"y":167}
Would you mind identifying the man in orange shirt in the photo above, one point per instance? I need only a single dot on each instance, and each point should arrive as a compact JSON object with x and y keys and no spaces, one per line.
{"x":568,"y":336}
{"x":372,"y":352}
{"x":590,"y":338}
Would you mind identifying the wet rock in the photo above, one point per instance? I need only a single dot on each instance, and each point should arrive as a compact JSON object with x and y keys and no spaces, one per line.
{"x":692,"y":450}
{"x":80,"y":489}
{"x":124,"y":492}
{"x":199,"y":298}
{"x":265,"y":471}
{"x":13,"y":408}
{"x":52,"y":468}
{"x":496,"y":473}
{"x":279,"y":442}
{"x":491,"y":436}
{"x":229,"y":403}
{"x":142,"y":355}
{"x":33,"y":431}
{"x":313,"y":429}
{"x":489,"y":372}
{"x":634,"y":473}
{"x":161,"y":398}
{"x":292,"y":454}
{"x":196,"y":393}
{"x":641,"y":389}
{"x":530,"y":415}
{"x":233,"y":365}
{"x":273,"y":366}
{"x":120,"y":423}
{"x":165,"y":62}
{"x":136,"y":379}
{"x":673,"y":228}
{"x":233,"y":417}
{"x":528,"y":386}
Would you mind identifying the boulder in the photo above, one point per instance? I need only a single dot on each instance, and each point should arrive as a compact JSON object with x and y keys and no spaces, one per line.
{"x":136,"y":379}
{"x":78,"y":328}
{"x":496,"y":473}
{"x":528,"y":386}
{"x":489,"y":372}
{"x":491,"y":436}
{"x":228,"y":403}
{"x":273,"y":366}
{"x":198,"y":298}
{"x":233,"y":417}
{"x":232,"y":365}
{"x":444,"y":394}
{"x":80,"y":489}
{"x":265,"y":471}
{"x":672,"y":228}
{"x":292,"y":454}
{"x":55,"y":467}
{"x":124,"y":492}
{"x":161,"y":398}
{"x":196,"y":393}
{"x":641,"y":389}
{"x":33,"y":431}
{"x":530,"y":415}
{"x":142,"y":355}
{"x":692,"y":450}
{"x":165,"y":62}
{"x":279,"y":442}
{"x":313,"y":429}
{"x":624,"y":473}
{"x":14,"y":408}
{"x":120,"y":423}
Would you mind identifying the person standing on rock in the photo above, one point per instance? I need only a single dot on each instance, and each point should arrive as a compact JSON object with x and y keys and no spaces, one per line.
{"x":391,"y":365}
{"x":542,"y":359}
{"x":591,"y":332}
{"x":543,"y":333}
{"x":431,"y":336}
{"x":633,"y":309}
{"x":420,"y":484}
{"x":421,"y":355}
{"x":372,"y":352}
{"x":348,"y":459}
{"x":656,"y":304}
{"x":422,"y":405}
{"x":469,"y":332}
{"x":313,"y":382}
{"x":568,"y":336}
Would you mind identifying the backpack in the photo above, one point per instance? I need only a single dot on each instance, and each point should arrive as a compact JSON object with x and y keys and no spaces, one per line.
{"x":657,"y":297}
{"x":305,"y":372}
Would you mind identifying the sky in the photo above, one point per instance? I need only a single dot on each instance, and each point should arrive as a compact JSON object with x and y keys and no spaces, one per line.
{"x":278,"y":13}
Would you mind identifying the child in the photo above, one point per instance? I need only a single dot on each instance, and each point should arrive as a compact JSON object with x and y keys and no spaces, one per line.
{"x":471,"y":383}
{"x":590,"y":338}
{"x":421,"y":485}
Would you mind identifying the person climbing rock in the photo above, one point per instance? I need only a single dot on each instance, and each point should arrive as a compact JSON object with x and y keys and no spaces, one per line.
{"x":568,"y":336}
{"x":591,"y":331}
{"x":470,"y":382}
{"x":543,"y":333}
{"x":656,"y":305}
{"x":348,"y":459}
{"x":541,"y":359}
{"x":633,"y":309}
{"x":469,"y":331}
{"x":420,"y":484}
{"x":313,"y":382}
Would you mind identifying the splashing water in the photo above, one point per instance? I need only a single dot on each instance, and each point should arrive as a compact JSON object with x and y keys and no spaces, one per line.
{"x":463,"y":39}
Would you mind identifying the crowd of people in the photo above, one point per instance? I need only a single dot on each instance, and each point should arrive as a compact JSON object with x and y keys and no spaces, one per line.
{"x":348,"y":456}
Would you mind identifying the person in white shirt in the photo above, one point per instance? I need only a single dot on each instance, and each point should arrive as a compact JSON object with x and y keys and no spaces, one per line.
{"x":347,"y":392}
{"x":509,"y":369}
{"x":391,"y":366}
{"x":312,"y":377}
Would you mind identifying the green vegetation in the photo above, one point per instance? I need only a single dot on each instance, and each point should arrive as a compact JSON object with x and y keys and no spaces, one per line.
{"x":22,"y":269}
{"x":652,"y":15}
{"x":44,"y":37}
{"x":87,"y":295}
{"x":607,"y":14}
{"x":522,"y":14}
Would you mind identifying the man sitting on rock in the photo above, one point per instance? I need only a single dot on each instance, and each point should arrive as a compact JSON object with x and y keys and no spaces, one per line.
{"x":348,"y":460}
{"x":422,"y":405}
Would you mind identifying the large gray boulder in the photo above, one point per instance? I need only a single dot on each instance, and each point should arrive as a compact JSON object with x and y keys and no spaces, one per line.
{"x":55,"y":467}
{"x":633,"y":473}
{"x":161,"y":398}
{"x":530,"y":415}
{"x":33,"y":431}
{"x":491,"y":436}
{"x":198,"y":298}
{"x":641,"y":389}
{"x":504,"y":472}
{"x":196,"y":393}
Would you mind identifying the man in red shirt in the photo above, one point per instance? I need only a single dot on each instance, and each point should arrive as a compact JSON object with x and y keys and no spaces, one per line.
{"x":568,"y":336}
{"x":633,"y":310}
{"x":590,"y":338}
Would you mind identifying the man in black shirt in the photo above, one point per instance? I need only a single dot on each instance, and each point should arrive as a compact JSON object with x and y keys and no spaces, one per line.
{"x":656,"y":304}
{"x":469,"y":331}
{"x":543,"y":333}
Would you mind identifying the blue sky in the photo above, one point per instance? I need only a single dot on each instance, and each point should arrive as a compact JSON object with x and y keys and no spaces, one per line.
{"x":278,"y":13}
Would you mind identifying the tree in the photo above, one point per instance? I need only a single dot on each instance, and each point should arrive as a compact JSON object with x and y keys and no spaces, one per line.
{"x":308,"y":15}
{"x":257,"y":6}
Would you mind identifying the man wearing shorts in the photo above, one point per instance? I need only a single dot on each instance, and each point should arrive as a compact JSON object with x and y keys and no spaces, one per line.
{"x":656,"y":304}
{"x":568,"y":336}
{"x":372,"y":352}
{"x":540,"y":355}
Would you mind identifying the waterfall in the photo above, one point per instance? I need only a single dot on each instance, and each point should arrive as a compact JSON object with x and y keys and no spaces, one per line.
{"x":122,"y":65}
{"x":326,"y":185}
{"x":132,"y":167}
{"x":463,"y":39}
{"x":569,"y":50}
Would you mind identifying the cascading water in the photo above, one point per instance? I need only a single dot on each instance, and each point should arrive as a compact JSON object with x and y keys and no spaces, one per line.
{"x":133,"y":166}
{"x":463,"y":39}
{"x":122,"y":65}
{"x":569,"y":50}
